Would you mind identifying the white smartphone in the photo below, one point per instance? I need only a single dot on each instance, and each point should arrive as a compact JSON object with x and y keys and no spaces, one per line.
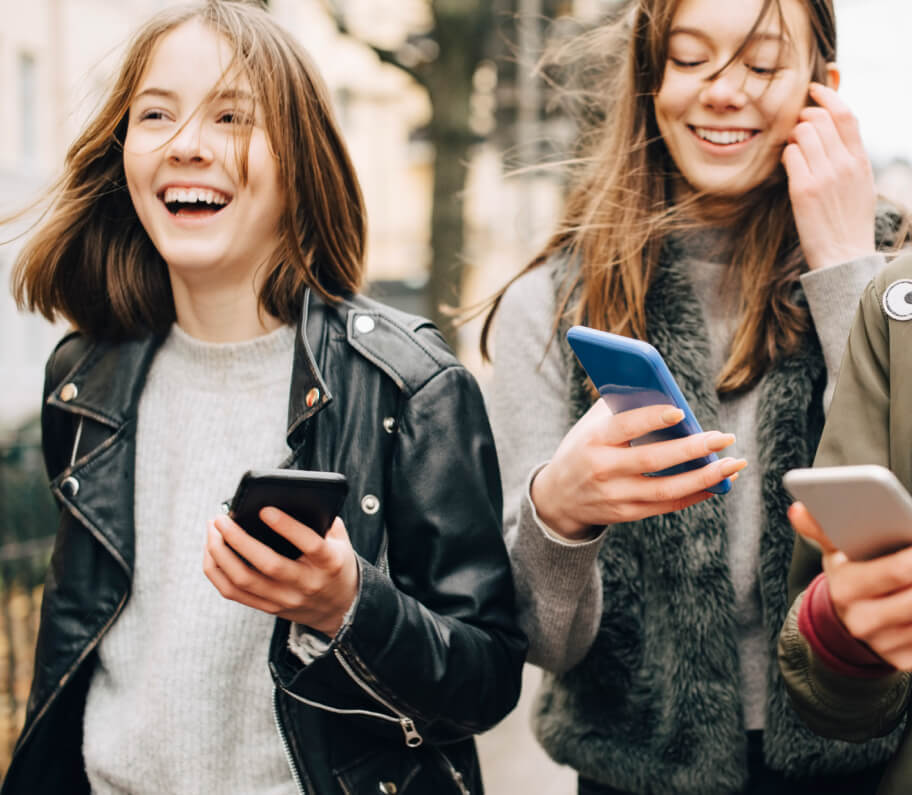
{"x":864,"y":510}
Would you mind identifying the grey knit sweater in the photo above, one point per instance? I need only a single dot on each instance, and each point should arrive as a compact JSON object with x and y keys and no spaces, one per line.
{"x":180,"y":701}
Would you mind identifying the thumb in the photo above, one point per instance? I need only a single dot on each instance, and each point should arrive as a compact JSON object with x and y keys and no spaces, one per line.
{"x":337,"y":531}
{"x":806,"y":526}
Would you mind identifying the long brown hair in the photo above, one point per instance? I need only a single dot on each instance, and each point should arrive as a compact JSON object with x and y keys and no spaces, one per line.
{"x":91,"y":261}
{"x":620,"y":208}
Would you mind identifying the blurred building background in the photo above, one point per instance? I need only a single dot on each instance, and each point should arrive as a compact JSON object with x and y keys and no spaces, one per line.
{"x":441,"y":111}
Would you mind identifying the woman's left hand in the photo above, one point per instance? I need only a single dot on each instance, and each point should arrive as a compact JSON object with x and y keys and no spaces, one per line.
{"x":315,"y":590}
{"x":831,"y":185}
{"x":872,"y":598}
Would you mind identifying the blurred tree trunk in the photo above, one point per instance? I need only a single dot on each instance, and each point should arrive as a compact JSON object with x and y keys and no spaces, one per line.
{"x":463,"y":31}
{"x":460,"y":38}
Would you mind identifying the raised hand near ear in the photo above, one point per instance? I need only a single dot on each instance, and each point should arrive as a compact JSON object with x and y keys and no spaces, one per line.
{"x":831,"y":185}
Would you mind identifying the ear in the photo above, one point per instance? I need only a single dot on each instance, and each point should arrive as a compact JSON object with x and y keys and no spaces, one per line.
{"x":833,"y":76}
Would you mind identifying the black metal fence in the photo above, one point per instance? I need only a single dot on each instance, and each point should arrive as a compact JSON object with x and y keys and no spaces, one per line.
{"x":28,"y":519}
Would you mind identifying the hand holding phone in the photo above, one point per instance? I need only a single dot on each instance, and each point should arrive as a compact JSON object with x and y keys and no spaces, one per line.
{"x":312,"y":498}
{"x":595,"y":477}
{"x":870,"y":597}
{"x":863,"y":510}
{"x":629,"y":374}
{"x":312,"y":585}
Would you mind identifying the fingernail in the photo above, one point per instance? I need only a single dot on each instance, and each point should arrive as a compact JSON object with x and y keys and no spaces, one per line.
{"x":672,"y":416}
{"x":269,"y":515}
{"x":717,"y":441}
{"x":733,"y":477}
{"x":729,"y":466}
{"x":221,"y":522}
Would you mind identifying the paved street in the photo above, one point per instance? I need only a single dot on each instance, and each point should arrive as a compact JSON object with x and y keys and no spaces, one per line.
{"x":512,"y":761}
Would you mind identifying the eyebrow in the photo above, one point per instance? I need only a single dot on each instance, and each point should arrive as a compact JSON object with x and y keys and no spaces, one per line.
{"x":228,"y":93}
{"x":700,"y":34}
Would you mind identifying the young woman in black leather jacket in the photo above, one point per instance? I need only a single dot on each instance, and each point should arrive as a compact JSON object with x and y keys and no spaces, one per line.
{"x":206,"y":243}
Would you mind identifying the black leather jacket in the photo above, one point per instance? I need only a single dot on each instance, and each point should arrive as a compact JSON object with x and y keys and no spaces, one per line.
{"x":431,"y":654}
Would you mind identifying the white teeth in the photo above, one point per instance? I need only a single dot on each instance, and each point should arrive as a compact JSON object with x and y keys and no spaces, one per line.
{"x":194,"y":195}
{"x":723,"y":136}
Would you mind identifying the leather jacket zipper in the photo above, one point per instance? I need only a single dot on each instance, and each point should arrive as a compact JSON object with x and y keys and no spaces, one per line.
{"x":402,"y":720}
{"x":285,"y":747}
{"x":453,"y":772}
{"x":413,"y":738}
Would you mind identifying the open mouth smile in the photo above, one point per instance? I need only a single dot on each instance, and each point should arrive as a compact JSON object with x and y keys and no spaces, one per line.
{"x":194,"y":201}
{"x":720,"y":137}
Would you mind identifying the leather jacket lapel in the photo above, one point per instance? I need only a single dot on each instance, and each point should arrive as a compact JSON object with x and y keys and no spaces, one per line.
{"x":97,"y":486}
{"x":309,"y":392}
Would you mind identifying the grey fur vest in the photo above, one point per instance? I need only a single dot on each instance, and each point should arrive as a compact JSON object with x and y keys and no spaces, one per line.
{"x":655,"y":708}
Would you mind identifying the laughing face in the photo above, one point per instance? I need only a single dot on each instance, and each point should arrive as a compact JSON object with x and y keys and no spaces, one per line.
{"x":211,"y":227}
{"x":726,"y":132}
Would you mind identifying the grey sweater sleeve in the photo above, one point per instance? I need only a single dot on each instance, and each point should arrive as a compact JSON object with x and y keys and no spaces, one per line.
{"x":559,"y":590}
{"x":833,"y":296}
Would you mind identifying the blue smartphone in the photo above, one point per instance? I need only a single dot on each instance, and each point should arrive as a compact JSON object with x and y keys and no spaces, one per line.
{"x":629,"y":374}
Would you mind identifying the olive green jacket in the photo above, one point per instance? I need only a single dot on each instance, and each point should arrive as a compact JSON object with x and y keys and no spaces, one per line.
{"x":868,"y":423}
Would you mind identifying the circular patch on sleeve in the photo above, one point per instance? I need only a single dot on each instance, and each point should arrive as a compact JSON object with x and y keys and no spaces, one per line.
{"x":898,"y":300}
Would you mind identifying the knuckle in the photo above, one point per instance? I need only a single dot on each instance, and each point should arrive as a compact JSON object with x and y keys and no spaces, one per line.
{"x":244,"y":580}
{"x":626,"y":513}
{"x":900,"y":572}
{"x":839,"y":595}
{"x":227,"y":591}
{"x":625,"y":426}
{"x":844,"y":117}
{"x":648,"y":460}
{"x":858,"y":621}
{"x":272,"y":568}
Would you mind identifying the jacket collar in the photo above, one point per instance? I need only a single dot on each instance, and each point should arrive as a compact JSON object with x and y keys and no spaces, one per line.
{"x":106,"y":383}
{"x":309,"y":392}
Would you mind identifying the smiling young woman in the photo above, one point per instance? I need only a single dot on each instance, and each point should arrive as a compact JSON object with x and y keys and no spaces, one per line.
{"x":726,"y":213}
{"x":206,"y":243}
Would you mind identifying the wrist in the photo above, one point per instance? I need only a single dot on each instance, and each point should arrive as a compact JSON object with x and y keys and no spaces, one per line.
{"x":557,"y":523}
{"x":838,"y":256}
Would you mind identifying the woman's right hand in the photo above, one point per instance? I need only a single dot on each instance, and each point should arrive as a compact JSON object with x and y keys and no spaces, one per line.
{"x":596,"y":478}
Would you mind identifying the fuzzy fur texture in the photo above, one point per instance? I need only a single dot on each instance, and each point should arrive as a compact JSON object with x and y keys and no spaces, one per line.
{"x":655,"y":705}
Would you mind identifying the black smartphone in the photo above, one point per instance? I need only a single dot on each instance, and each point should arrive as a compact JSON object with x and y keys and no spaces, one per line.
{"x":313,"y":498}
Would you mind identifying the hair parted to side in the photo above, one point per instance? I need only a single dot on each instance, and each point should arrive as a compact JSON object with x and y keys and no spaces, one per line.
{"x":620,"y":206}
{"x":91,"y":261}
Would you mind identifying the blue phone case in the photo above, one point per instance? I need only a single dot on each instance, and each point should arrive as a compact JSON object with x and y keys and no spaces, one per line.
{"x":629,"y":374}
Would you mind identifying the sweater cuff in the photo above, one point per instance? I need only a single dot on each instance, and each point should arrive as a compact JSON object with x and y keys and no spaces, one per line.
{"x":830,"y":640}
{"x":595,"y":535}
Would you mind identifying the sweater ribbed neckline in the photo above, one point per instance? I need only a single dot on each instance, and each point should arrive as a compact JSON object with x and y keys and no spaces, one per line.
{"x":245,"y":365}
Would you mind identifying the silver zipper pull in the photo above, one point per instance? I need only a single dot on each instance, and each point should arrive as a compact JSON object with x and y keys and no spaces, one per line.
{"x":413,"y":738}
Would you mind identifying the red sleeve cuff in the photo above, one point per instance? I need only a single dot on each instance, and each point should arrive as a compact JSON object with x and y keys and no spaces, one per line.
{"x":831,"y":641}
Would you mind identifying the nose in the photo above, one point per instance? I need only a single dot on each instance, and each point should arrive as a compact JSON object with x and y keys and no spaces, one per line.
{"x":189,"y":145}
{"x":725,"y":91}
